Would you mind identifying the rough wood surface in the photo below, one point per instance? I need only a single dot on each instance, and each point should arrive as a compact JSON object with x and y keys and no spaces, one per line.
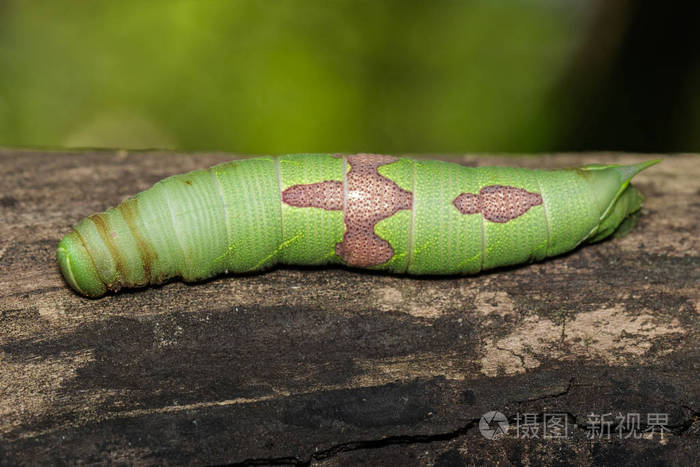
{"x":332,"y":366}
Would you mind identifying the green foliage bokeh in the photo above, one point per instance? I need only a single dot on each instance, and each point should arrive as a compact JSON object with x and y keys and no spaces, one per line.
{"x":254,"y":76}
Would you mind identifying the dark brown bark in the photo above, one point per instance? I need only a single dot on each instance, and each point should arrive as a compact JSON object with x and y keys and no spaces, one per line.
{"x":334,"y":366}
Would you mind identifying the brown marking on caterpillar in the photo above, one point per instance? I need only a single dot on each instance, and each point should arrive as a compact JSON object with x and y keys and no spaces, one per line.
{"x":103,"y":230}
{"x":371,"y":197}
{"x":129,"y":212}
{"x":326,"y":195}
{"x":498,"y":203}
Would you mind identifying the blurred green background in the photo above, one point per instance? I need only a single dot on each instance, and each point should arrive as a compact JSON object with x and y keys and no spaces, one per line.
{"x":256,"y":77}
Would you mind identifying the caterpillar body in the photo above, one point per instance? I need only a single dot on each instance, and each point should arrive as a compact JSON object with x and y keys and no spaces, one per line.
{"x":363,"y":210}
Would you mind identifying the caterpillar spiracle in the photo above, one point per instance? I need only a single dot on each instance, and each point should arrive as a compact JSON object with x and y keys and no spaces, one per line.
{"x":363,"y":210}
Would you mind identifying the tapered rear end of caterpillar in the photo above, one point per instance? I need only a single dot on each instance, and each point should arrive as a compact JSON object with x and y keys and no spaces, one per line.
{"x":626,"y":200}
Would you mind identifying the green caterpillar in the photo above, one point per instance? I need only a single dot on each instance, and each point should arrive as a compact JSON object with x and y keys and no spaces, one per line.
{"x":362,"y":210}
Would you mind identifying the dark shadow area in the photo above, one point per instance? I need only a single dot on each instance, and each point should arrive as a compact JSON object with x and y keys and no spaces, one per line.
{"x":633,"y":84}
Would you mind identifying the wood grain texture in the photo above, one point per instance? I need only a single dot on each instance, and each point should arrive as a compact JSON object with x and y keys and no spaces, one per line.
{"x":332,"y":366}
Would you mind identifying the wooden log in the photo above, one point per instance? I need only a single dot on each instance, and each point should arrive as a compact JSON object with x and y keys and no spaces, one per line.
{"x":331,"y":366}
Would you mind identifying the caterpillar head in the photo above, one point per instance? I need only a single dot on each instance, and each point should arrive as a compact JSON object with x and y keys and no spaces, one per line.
{"x":78,"y":268}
